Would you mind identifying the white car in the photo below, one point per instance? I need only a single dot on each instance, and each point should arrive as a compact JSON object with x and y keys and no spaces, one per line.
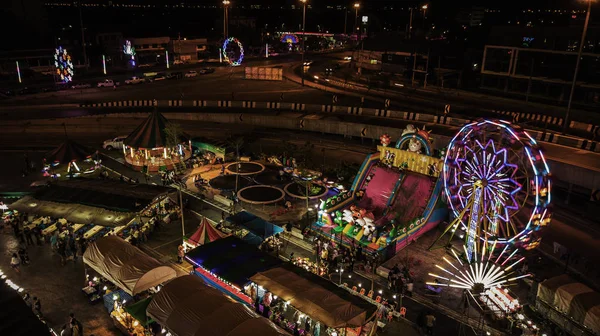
{"x":107,"y":83}
{"x":115,"y":143}
{"x":177,"y":62}
{"x":135,"y":80}
{"x":308,"y":63}
{"x":348,"y":58}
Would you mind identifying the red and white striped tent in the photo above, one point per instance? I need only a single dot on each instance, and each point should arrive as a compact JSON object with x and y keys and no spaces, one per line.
{"x":206,"y":233}
{"x":573,"y":299}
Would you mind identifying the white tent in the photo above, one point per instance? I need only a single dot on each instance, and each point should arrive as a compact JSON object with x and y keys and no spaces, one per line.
{"x":188,"y":307}
{"x":125,"y":265}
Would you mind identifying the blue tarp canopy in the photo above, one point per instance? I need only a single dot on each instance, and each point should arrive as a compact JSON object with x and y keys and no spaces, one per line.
{"x":232,"y":259}
{"x":258,"y":226}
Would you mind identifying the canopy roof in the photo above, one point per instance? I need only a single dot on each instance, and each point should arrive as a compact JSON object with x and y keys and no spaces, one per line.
{"x":318,"y":298}
{"x":76,"y":213}
{"x":67,"y":152}
{"x":17,"y":318}
{"x":232,"y":259}
{"x":187,"y":307}
{"x":255,"y":224}
{"x":138,"y":311}
{"x":206,"y":233}
{"x":149,"y":134}
{"x":111,"y":195}
{"x":125,"y":265}
{"x":572,"y":298}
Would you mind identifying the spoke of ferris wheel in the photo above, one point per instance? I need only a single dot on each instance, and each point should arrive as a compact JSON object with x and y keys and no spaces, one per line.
{"x":457,"y":258}
{"x":501,"y":253}
{"x":467,"y":253}
{"x":492,"y":250}
{"x":438,"y":276}
{"x":520,"y":276}
{"x":510,"y":256}
{"x":515,"y":263}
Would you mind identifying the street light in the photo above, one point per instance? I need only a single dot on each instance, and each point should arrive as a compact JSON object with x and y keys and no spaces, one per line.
{"x":585,"y":27}
{"x":226,"y":18}
{"x":356,"y":7}
{"x":424,"y":8}
{"x":303,"y":36}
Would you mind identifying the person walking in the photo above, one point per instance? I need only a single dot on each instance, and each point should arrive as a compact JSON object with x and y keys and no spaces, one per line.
{"x":28,"y":235}
{"x":37,"y":306}
{"x":61,"y":249}
{"x":429,"y":323}
{"x":72,"y":247}
{"x":54,"y":241}
{"x":14,"y":263}
{"x":180,"y":254}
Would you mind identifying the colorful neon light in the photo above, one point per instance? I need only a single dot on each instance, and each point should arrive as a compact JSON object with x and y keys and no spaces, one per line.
{"x":104,"y":64}
{"x":490,"y":155}
{"x":167,"y":57}
{"x":19,"y":72}
{"x":63,"y":64}
{"x":226,"y":57}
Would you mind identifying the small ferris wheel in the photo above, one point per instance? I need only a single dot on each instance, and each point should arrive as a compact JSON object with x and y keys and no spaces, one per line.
{"x":497,"y":185}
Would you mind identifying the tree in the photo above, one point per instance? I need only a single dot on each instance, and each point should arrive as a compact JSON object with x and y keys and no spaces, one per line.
{"x":173,"y":132}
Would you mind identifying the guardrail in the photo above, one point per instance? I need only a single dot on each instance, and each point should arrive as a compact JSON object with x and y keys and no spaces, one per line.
{"x":546,"y":136}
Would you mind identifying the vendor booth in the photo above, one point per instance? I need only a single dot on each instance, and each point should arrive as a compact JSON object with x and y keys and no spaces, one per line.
{"x":187,"y":307}
{"x":147,"y":148}
{"x":205,"y":234}
{"x":227,"y":264}
{"x":570,"y":304}
{"x":254,"y":229}
{"x":217,"y":149}
{"x":295,"y":295}
{"x":125,"y":265}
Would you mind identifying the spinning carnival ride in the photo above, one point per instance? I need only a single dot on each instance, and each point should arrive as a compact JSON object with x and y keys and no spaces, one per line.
{"x":497,"y":184}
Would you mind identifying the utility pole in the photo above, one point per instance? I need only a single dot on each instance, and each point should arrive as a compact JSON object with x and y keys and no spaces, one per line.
{"x":585,"y":28}
{"x":426,"y":69}
{"x":85,"y":62}
{"x":181,"y":209}
{"x":303,"y":36}
{"x":226,"y":18}
{"x":529,"y":82}
{"x":345,"y":19}
{"x":410,"y":23}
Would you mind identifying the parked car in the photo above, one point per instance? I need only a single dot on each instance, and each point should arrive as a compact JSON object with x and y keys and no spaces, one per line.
{"x":108,"y":83}
{"x":204,"y":71}
{"x":159,"y":77}
{"x":111,"y":144}
{"x":81,"y":86}
{"x":191,"y":73}
{"x":308,"y":63}
{"x":135,"y":80}
{"x":175,"y":75}
{"x":177,"y":62}
{"x":145,"y":65}
{"x":348,"y":58}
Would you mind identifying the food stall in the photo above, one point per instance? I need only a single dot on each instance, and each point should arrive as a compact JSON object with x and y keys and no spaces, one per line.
{"x":186,"y":306}
{"x":228,"y":263}
{"x":205,"y":234}
{"x":126,"y":267}
{"x":301,"y":300}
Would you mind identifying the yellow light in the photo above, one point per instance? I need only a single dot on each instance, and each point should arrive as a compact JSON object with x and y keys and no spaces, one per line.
{"x":356,"y":5}
{"x":424,"y":7}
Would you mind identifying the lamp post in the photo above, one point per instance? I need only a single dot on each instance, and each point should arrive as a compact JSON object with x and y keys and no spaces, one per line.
{"x":424,"y":8}
{"x":585,"y":28}
{"x":226,"y":4}
{"x":356,"y":7}
{"x":303,"y":35}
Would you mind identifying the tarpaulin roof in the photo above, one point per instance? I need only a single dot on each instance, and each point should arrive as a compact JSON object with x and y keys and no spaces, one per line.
{"x":232,"y":259}
{"x":125,"y":265}
{"x":188,"y":307}
{"x":149,"y":134}
{"x":68,"y":151}
{"x":255,"y":224}
{"x":138,"y":311}
{"x":17,"y":318}
{"x":206,"y":233}
{"x":316,"y":297}
{"x":572,"y":298}
{"x":112,"y":195}
{"x":76,"y":213}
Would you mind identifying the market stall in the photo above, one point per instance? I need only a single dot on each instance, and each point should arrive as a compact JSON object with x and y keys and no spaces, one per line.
{"x":125,"y":265}
{"x":254,"y":229}
{"x":205,"y":234}
{"x":340,"y":312}
{"x":186,"y":306}
{"x":228,"y":263}
{"x":148,"y":148}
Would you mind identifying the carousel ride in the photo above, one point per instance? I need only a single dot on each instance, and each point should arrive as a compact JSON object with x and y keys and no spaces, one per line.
{"x":497,"y":185}
{"x":395,"y":196}
{"x":148,"y":148}
{"x":69,"y":159}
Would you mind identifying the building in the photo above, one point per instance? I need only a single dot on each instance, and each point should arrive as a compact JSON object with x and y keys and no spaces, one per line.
{"x":189,"y":50}
{"x":151,"y":49}
{"x":111,"y":44}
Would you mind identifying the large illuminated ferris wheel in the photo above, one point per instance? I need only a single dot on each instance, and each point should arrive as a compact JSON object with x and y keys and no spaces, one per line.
{"x":497,"y":184}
